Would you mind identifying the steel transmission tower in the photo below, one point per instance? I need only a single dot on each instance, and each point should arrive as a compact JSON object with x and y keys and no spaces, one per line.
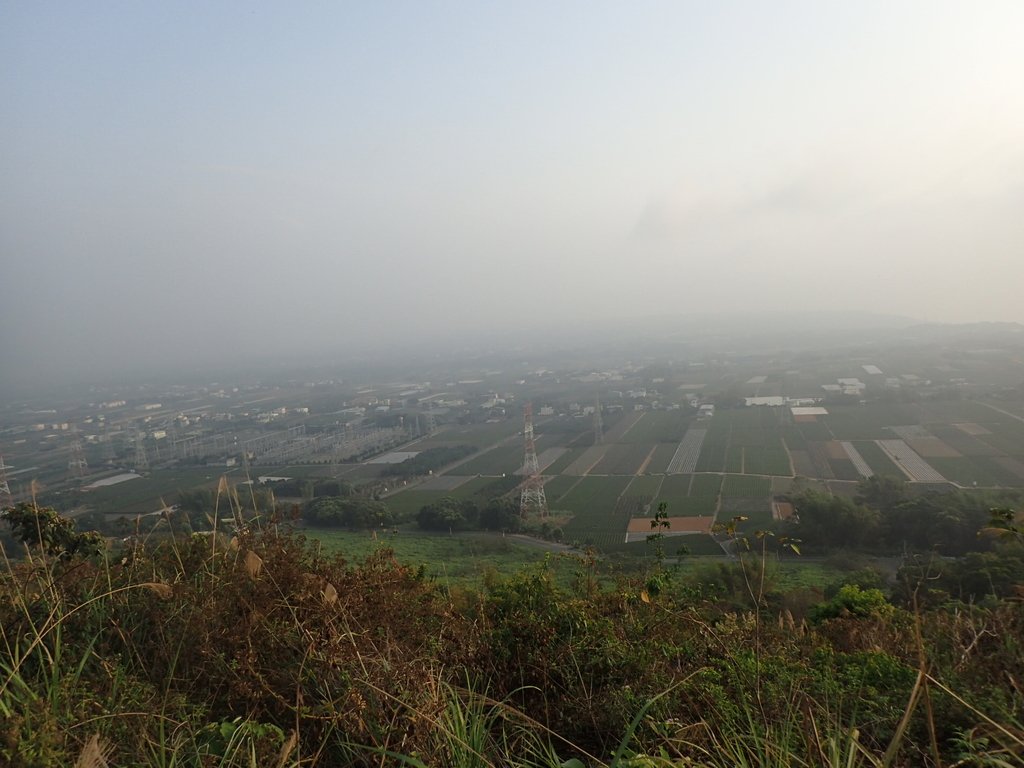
{"x":598,"y":423}
{"x":141,"y":460}
{"x":532,"y":501}
{"x":107,"y":449}
{"x":6,"y":497}
{"x":77,"y":463}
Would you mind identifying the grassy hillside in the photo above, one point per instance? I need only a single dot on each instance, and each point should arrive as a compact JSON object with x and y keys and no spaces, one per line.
{"x":253,"y":647}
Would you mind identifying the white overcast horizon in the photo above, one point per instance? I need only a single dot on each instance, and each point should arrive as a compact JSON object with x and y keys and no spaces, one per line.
{"x":183,"y":181}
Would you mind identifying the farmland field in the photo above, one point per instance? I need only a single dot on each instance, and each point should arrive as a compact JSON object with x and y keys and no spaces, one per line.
{"x":408,"y":503}
{"x":547,"y":457}
{"x":706,"y":486}
{"x":844,"y":469}
{"x":685,"y":458}
{"x":644,"y":485}
{"x":878,"y":460}
{"x":505,"y":459}
{"x":868,"y":422}
{"x":746,"y":486}
{"x":662,"y":455}
{"x":594,"y":496}
{"x":446,"y":483}
{"x":587,"y":460}
{"x":858,"y":461}
{"x":734,"y":459}
{"x":145,"y":494}
{"x":594,"y":501}
{"x":482,"y":435}
{"x":689,"y":495}
{"x":712,"y":455}
{"x":816,"y":431}
{"x":910,"y":462}
{"x":469,"y":486}
{"x":965,"y":443}
{"x":558,"y":466}
{"x":658,"y":427}
{"x":624,"y":424}
{"x":970,"y":471}
{"x":622,"y":459}
{"x":557,"y":487}
{"x":770,"y":459}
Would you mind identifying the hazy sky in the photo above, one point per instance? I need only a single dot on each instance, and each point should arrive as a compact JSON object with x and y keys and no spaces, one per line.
{"x":202,"y":179}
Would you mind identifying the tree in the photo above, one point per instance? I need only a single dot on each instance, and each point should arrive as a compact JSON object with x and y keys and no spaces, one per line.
{"x":54,"y":534}
{"x":448,"y":514}
{"x":348,"y":513}
{"x":883,"y":493}
{"x":500,"y":515}
{"x":833,"y":521}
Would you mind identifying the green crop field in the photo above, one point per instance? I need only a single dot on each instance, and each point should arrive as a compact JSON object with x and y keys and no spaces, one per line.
{"x":505,"y":459}
{"x":644,"y":485}
{"x":407,"y":503}
{"x":623,"y":459}
{"x":557,"y":487}
{"x":659,"y":427}
{"x":794,"y":438}
{"x":593,"y":502}
{"x":706,"y":486}
{"x":770,"y":459}
{"x":843,"y":469}
{"x":814,"y":431}
{"x":629,"y":506}
{"x":878,"y":460}
{"x":755,"y":426}
{"x":481,"y":435}
{"x":977,"y":470}
{"x":746,"y":486}
{"x":689,"y":499}
{"x":471,"y":487}
{"x":756,"y":521}
{"x":558,"y":465}
{"x":663,"y":454}
{"x":1008,"y":436}
{"x":959,"y":411}
{"x":594,"y":496}
{"x":712,"y":455}
{"x":676,"y":485}
{"x":963,"y":443}
{"x":145,"y":493}
{"x":734,"y":459}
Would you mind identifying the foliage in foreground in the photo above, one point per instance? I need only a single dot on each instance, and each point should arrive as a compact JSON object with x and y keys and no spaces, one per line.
{"x":249,"y":647}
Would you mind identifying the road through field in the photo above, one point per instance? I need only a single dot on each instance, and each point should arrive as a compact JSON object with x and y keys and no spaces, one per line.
{"x":1005,"y":413}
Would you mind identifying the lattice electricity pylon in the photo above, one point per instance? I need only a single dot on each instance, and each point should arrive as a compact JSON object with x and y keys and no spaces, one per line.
{"x":76,"y":462}
{"x":141,"y":462}
{"x":107,"y":445}
{"x":532,"y":501}
{"x":6,"y":497}
{"x":598,"y":423}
